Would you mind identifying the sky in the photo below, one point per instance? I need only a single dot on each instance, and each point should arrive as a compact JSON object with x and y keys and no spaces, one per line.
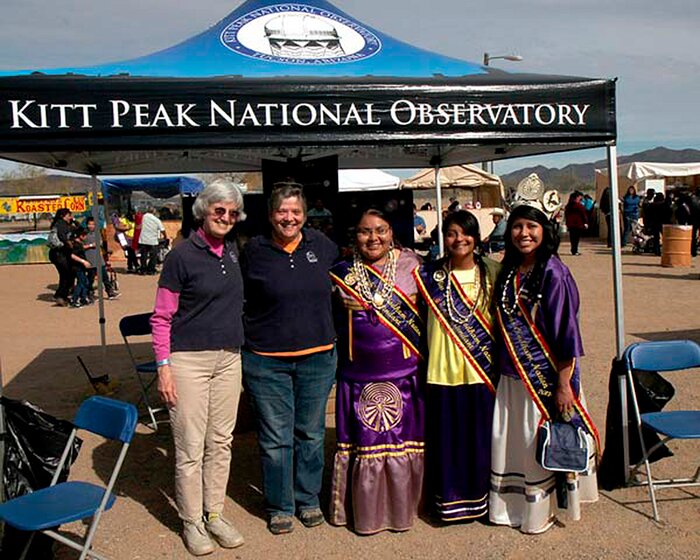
{"x":651,"y":47}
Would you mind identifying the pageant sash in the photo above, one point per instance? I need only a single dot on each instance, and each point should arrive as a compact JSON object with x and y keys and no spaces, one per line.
{"x":399,"y":315}
{"x":473,"y":338}
{"x":535,"y":362}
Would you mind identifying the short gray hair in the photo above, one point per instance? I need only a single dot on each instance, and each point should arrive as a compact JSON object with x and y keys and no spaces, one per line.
{"x":284,"y":190}
{"x":219,"y":190}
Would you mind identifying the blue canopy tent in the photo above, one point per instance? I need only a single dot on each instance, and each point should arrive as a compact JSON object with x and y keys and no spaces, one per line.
{"x":297,"y":81}
{"x":159,"y":187}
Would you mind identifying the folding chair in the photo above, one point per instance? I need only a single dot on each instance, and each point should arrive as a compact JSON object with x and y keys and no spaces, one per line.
{"x":672,"y":355}
{"x":146,"y":372}
{"x":75,"y":500}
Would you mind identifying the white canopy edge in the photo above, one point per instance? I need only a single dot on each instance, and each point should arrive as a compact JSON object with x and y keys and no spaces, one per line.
{"x":640,"y":170}
{"x":366,"y":180}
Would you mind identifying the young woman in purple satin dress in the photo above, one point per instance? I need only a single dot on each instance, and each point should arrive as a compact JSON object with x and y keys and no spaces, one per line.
{"x":378,"y":467}
{"x":537,"y":305}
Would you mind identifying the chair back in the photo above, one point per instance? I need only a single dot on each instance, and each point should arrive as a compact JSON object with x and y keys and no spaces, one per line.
{"x":110,"y":418}
{"x":665,"y":355}
{"x":135,"y":325}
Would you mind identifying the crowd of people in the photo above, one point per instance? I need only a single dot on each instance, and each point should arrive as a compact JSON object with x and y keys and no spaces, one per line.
{"x":443,"y":370}
{"x":643,"y":218}
{"x":73,"y":250}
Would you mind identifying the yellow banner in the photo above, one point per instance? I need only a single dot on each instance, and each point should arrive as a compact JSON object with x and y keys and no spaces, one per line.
{"x":21,"y":205}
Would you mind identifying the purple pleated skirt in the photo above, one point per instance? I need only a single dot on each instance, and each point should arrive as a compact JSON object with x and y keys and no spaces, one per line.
{"x":378,"y":469}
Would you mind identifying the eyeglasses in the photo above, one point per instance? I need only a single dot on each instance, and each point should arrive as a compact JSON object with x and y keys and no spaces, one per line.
{"x":220,"y":212}
{"x":366,"y":232}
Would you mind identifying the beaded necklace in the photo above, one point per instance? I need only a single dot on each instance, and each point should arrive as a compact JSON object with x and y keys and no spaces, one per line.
{"x":455,"y":315}
{"x":509,"y":308}
{"x":376,"y":298}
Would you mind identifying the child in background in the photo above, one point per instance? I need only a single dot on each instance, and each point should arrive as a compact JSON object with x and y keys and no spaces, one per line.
{"x":91,"y":249}
{"x":90,"y":246}
{"x":81,"y":292}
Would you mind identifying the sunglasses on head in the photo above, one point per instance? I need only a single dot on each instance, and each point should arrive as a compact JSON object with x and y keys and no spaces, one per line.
{"x":220,"y":212}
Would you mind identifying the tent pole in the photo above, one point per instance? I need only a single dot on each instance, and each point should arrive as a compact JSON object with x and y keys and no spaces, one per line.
{"x":100,"y":264}
{"x":616,"y":252}
{"x":438,"y":189}
{"x":619,"y":303}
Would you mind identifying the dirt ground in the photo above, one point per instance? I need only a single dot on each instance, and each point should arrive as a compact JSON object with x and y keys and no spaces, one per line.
{"x":39,"y":344}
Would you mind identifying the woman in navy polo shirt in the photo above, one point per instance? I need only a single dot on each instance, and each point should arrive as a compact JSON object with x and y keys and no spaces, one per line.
{"x":289,"y":359}
{"x":197,"y":333}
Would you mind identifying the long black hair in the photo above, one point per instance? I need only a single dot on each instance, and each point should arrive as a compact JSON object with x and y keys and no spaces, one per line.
{"x":513,"y":257}
{"x":468,"y":223}
{"x":60,"y":214}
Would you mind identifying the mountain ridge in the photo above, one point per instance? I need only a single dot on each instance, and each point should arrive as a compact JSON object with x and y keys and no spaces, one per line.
{"x":581,"y":176}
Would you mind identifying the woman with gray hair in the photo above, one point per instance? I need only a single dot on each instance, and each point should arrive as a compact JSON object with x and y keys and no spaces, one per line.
{"x":289,"y":358}
{"x":197,"y":334}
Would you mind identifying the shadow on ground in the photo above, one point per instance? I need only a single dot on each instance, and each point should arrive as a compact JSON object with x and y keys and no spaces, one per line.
{"x":147,"y":476}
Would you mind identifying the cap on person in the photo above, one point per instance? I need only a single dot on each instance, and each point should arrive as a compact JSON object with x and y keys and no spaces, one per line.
{"x":498,"y":212}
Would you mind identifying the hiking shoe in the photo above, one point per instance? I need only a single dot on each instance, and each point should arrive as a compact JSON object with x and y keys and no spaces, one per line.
{"x":311,"y":517}
{"x":223,"y":532}
{"x":197,"y":540}
{"x":280,"y":524}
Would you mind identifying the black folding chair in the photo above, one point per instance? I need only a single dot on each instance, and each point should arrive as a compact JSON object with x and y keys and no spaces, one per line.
{"x":133,"y":326}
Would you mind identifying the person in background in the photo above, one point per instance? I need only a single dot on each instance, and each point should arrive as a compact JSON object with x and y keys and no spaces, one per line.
{"x":604,"y":205}
{"x":289,"y":360}
{"x":576,"y":220}
{"x":461,"y":381}
{"x":152,"y":231}
{"x":630,"y":212}
{"x":124,"y":228}
{"x":427,"y":206}
{"x":494,"y":242}
{"x":537,"y":307}
{"x":658,"y":213}
{"x":378,"y":468}
{"x":418,"y":222}
{"x":60,"y":257}
{"x":197,"y":335}
{"x":91,"y":254}
{"x":81,"y":267}
{"x":319,"y":217}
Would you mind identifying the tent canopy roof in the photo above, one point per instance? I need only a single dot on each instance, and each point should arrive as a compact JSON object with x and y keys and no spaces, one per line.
{"x":159,"y":187}
{"x":464,"y":176}
{"x":640,"y":170}
{"x":292,"y":81}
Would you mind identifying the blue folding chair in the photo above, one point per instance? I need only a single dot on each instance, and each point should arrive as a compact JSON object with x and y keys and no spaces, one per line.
{"x":146,"y":371}
{"x":66,"y":502}
{"x":672,"y":355}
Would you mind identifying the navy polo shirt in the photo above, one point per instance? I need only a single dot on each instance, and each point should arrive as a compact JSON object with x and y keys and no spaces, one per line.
{"x":210,"y":310}
{"x":288,"y":296}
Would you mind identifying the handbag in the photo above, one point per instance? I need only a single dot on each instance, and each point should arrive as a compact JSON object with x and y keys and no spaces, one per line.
{"x":562,"y":447}
{"x":53,"y":241}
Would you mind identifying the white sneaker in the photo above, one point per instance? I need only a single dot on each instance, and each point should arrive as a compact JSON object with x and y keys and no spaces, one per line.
{"x":223,"y":532}
{"x":197,"y":540}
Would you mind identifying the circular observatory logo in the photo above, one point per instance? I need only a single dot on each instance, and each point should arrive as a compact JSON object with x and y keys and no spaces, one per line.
{"x":299,"y":34}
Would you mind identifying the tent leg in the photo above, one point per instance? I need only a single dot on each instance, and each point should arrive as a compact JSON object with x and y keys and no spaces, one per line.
{"x":100,"y":264}
{"x":619,"y":302}
{"x":616,"y":252}
{"x":438,"y":193}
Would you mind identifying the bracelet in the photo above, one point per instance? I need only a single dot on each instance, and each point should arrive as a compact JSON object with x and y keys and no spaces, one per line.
{"x":165,"y":362}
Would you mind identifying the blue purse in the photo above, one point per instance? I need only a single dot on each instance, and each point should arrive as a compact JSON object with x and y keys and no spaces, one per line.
{"x":562,"y":447}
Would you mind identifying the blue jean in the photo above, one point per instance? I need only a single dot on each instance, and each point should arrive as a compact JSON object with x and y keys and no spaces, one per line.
{"x":81,"y":291}
{"x":289,"y":396}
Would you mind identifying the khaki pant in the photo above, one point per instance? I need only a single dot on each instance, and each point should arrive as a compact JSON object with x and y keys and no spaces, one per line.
{"x":208,"y":385}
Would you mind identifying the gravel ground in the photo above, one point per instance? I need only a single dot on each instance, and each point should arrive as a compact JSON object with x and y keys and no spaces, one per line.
{"x":39,"y":344}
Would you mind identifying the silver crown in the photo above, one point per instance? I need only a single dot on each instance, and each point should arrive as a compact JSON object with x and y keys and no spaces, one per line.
{"x":531,"y":192}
